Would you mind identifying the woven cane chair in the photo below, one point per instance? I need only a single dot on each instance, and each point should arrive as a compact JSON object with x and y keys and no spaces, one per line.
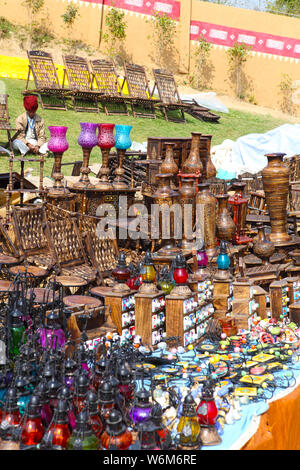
{"x":28,"y":224}
{"x":66,"y":245}
{"x":169,"y":96}
{"x":47,"y":85}
{"x":80,"y":83}
{"x":102,"y":252}
{"x":105,"y":76}
{"x":139,"y":91}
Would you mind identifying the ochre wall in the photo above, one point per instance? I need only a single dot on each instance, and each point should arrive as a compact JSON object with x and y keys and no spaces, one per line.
{"x":264,"y":71}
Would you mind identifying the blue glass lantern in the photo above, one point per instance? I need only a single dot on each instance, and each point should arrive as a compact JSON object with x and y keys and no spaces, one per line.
{"x":223,"y":262}
{"x":123,"y":143}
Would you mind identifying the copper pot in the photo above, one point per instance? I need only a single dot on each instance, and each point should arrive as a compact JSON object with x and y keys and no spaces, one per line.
{"x":225,"y":226}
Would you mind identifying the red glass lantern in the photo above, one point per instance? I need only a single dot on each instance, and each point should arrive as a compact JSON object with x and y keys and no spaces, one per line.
{"x":81,"y":390}
{"x":59,"y":429}
{"x":33,"y":429}
{"x":116,"y":434}
{"x":94,"y":415}
{"x":106,"y":399}
{"x":239,"y":206}
{"x":121,"y":273}
{"x":11,"y":416}
{"x":207,"y":413}
{"x":180,"y":277}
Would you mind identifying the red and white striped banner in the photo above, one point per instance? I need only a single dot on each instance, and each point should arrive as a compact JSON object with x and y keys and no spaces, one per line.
{"x":144,"y":7}
{"x":260,"y":42}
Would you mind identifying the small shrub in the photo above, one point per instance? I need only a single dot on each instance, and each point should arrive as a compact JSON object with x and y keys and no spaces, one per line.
{"x":6,"y":28}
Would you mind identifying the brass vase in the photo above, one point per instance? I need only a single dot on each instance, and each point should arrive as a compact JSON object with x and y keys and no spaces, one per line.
{"x":206,"y":205}
{"x":209,"y":170}
{"x":225,"y":227}
{"x":193,"y":164}
{"x":275,"y":178}
{"x":165,"y":197}
{"x":169,"y":165}
{"x":263,"y":248}
{"x":187,"y":199}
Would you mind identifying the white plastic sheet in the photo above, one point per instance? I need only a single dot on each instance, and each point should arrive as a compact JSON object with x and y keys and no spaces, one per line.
{"x":208,"y":99}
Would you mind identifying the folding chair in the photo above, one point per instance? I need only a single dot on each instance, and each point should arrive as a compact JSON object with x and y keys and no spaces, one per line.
{"x":106,"y":78}
{"x":139,"y":91}
{"x":169,"y":97}
{"x":47,"y":85}
{"x":80,"y":84}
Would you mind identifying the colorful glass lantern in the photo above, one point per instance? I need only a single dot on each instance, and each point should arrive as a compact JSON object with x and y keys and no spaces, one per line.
{"x":202,"y":272}
{"x":70,"y":366}
{"x":142,"y":408}
{"x":32,"y":429}
{"x":106,"y":141}
{"x":188,"y":428}
{"x":58,"y":433}
{"x":207,"y":413}
{"x":123,"y":142}
{"x":147,"y":435}
{"x":11,"y":417}
{"x":239,"y":206}
{"x":58,"y":144}
{"x":17,"y":331}
{"x":87,"y":139}
{"x":125,"y":385}
{"x":163,"y":436}
{"x":42,"y":391}
{"x":23,"y":393}
{"x":106,"y":399}
{"x":121,"y":273}
{"x":80,"y":392}
{"x":52,"y":335}
{"x":83,"y":437}
{"x":116,"y":435}
{"x":148,"y":276}
{"x":180,"y":276}
{"x":94,"y":415}
{"x":223,"y":262}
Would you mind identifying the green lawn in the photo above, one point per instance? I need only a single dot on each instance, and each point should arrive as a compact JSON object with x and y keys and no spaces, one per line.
{"x":231,"y":126}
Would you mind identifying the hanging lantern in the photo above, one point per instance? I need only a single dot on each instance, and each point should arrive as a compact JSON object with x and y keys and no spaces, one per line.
{"x":70,"y":367}
{"x":42,"y":391}
{"x":106,"y":399}
{"x":58,"y":433}
{"x":163,"y":436}
{"x":116,"y":435}
{"x":80,"y":392}
{"x":94,"y":415}
{"x":142,"y":408}
{"x":11,"y":416}
{"x":52,"y":335}
{"x":83,"y":437}
{"x":207,"y":413}
{"x":188,"y":427}
{"x":17,"y":332}
{"x":32,"y":429}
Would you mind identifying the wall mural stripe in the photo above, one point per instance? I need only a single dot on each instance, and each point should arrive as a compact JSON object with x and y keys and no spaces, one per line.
{"x":145,"y":7}
{"x":259,"y":42}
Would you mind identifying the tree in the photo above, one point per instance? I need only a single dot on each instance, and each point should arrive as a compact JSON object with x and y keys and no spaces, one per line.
{"x":290,"y":7}
{"x":203,"y":68}
{"x":164,"y":33}
{"x":69,"y":17}
{"x":237,"y":57}
{"x":115,"y":35}
{"x":33,"y":7}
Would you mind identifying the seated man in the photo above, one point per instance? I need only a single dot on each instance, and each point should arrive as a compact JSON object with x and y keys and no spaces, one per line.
{"x":32,"y":137}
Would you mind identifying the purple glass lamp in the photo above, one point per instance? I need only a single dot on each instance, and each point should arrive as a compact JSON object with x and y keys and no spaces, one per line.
{"x":87,"y":139}
{"x":202,"y":261}
{"x":142,"y":408}
{"x":106,"y":141}
{"x":58,"y":144}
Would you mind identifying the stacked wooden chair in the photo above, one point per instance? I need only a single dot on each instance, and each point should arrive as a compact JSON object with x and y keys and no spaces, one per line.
{"x":47,"y":86}
{"x":142,"y":103}
{"x":66,"y":245}
{"x":107,"y":81}
{"x":77,"y":72}
{"x":29,"y":224}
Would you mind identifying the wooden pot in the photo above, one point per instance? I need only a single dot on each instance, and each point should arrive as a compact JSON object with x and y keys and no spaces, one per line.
{"x":225,"y":226}
{"x":206,"y":205}
{"x":275,"y":178}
